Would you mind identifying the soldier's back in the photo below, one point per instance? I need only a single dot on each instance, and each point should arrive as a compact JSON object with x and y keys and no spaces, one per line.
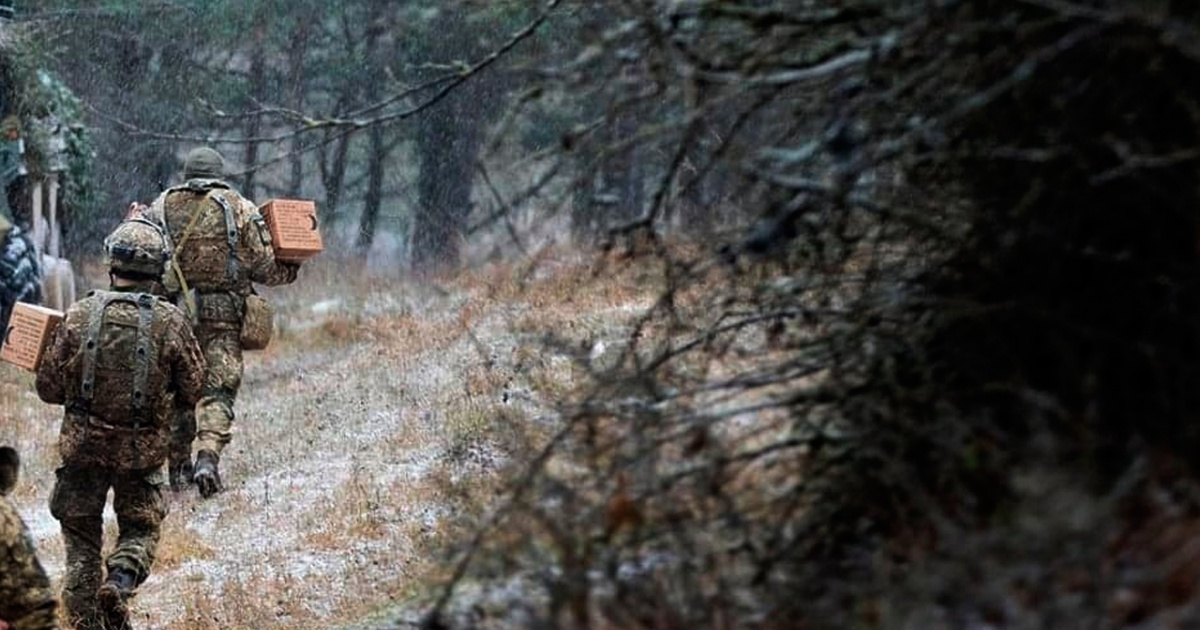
{"x":119,"y":377}
{"x":205,"y":220}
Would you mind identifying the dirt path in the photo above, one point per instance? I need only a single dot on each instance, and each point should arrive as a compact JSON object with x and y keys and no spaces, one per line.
{"x":350,"y":438}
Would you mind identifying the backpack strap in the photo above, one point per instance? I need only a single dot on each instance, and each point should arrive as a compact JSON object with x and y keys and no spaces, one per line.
{"x":91,"y":345}
{"x":144,"y":356}
{"x":231,"y":237}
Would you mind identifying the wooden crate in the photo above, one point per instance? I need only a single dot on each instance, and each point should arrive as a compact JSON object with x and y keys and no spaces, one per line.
{"x":28,"y":333}
{"x":294,"y":230}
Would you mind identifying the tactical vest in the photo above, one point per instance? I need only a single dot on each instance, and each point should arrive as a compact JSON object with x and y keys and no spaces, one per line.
{"x":122,"y":402}
{"x":203,"y":228}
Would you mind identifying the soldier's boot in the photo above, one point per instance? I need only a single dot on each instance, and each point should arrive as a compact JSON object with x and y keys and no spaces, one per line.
{"x":206,"y":474}
{"x":113,"y":596}
{"x":180,"y":474}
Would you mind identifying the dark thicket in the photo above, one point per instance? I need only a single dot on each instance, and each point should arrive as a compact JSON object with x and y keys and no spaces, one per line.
{"x":945,"y":379}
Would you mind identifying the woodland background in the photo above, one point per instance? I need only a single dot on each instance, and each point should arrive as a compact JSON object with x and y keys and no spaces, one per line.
{"x":916,"y":342}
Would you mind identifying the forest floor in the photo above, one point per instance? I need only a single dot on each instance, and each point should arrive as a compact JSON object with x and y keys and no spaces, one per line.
{"x":380,"y":421}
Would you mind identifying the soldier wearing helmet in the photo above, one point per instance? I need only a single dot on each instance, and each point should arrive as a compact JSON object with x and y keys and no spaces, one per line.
{"x":222,"y":248}
{"x":120,"y":363}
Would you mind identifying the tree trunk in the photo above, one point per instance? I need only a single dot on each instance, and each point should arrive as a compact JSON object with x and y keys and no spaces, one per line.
{"x":296,"y":54}
{"x":369,"y":222}
{"x":614,"y":194}
{"x":333,"y":172}
{"x":447,"y":147}
{"x":623,"y":175}
{"x":448,"y":142}
{"x":583,"y":200}
{"x":253,"y":123}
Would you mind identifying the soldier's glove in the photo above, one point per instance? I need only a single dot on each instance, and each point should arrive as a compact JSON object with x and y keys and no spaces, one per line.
{"x":206,"y":475}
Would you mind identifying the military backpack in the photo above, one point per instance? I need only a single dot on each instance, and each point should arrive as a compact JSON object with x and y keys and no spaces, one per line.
{"x":121,"y":400}
{"x":203,"y":225}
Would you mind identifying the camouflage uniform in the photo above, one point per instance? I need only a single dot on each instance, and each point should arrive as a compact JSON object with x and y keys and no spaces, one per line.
{"x":26,"y":602}
{"x":227,"y":248}
{"x":20,"y":271}
{"x":120,"y":362}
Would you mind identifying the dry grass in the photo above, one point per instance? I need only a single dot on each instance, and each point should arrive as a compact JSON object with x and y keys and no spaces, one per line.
{"x":422,"y":407}
{"x":382,"y":420}
{"x":179,"y":545}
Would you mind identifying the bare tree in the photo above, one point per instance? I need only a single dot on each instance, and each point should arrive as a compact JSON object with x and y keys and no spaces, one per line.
{"x":938,"y":373}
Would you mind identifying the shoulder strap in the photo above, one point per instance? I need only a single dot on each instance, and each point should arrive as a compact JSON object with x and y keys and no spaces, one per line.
{"x":146,"y":354}
{"x":91,"y":344}
{"x":231,"y":237}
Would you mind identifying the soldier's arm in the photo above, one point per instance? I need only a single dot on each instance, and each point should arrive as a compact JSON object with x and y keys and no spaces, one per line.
{"x":187,"y":370}
{"x":256,"y":242}
{"x":63,"y":344}
{"x":26,"y":600}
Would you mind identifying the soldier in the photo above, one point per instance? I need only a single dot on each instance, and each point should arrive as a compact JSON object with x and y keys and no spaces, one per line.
{"x":221,"y":246}
{"x":26,"y":602}
{"x":120,"y":362}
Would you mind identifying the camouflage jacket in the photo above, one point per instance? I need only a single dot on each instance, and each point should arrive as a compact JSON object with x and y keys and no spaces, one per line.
{"x":229,"y":245}
{"x":120,"y":397}
{"x":26,"y":601}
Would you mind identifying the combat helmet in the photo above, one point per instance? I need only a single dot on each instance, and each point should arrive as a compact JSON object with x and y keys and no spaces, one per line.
{"x":136,"y":246}
{"x":204,"y":162}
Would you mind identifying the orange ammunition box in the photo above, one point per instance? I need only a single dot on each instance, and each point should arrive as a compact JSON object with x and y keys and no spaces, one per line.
{"x":28,"y":333}
{"x":293,"y":226}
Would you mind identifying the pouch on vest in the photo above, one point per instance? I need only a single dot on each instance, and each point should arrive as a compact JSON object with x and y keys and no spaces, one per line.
{"x":258,"y":323}
{"x":223,"y":308}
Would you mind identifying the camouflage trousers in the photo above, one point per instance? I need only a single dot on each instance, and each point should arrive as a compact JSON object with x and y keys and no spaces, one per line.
{"x":211,"y":424}
{"x":78,"y":503}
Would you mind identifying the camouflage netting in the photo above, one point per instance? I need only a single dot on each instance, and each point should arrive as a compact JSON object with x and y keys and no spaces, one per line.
{"x":43,"y":112}
{"x":41,"y":131}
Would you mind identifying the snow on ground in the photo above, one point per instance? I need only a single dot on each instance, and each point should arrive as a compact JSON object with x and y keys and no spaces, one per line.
{"x":349,"y":430}
{"x":327,"y":483}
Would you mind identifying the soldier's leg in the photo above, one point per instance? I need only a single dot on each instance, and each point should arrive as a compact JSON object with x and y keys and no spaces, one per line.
{"x":214,"y":412}
{"x":140,"y":508}
{"x":179,"y":458}
{"x":138,"y":502}
{"x":78,"y":503}
{"x":223,"y":378}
